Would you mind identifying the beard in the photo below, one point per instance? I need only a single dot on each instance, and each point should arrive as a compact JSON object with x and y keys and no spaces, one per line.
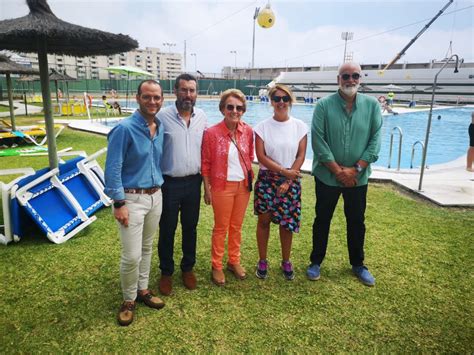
{"x":185,"y":105}
{"x":349,"y":91}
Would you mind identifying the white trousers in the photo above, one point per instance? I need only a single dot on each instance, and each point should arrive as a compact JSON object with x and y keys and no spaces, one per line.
{"x":137,"y":241}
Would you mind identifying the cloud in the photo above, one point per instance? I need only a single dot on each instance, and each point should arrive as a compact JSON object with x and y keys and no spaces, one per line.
{"x":299,"y":38}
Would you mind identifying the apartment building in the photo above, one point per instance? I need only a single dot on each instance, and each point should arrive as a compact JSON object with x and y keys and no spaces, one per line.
{"x":164,"y":65}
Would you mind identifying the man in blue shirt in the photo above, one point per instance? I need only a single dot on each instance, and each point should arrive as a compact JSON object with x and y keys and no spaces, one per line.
{"x":133,"y":179}
{"x":183,"y":126}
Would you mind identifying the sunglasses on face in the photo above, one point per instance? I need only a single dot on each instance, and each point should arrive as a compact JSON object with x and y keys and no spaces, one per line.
{"x":285,"y":98}
{"x":355,"y":76}
{"x":232,"y":108}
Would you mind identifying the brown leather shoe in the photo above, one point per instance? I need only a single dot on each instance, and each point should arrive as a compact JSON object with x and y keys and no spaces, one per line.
{"x":218,"y":277}
{"x":189,"y":280}
{"x":125,"y":315}
{"x":166,"y":285}
{"x":237,"y":270}
{"x":149,"y":299}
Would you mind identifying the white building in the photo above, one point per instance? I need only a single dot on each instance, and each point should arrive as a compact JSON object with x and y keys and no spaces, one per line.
{"x":164,"y":65}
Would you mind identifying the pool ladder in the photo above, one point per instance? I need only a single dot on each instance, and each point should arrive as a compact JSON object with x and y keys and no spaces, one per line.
{"x":399,"y":147}
{"x":395,"y":129}
{"x":413,"y":151}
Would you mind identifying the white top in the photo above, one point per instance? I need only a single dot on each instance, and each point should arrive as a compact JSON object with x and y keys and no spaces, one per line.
{"x":281,"y":139}
{"x":234,"y":169}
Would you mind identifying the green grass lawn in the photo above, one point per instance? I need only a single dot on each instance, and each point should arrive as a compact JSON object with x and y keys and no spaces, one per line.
{"x":64,"y":298}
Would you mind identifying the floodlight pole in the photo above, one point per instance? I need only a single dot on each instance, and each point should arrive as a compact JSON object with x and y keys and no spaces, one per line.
{"x":169,"y":45}
{"x":235,"y":67}
{"x":346,"y":36}
{"x":195,"y":61}
{"x":428,"y":128}
{"x":257,"y":9}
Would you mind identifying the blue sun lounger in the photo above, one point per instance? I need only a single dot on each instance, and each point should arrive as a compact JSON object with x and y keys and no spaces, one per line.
{"x":62,"y":201}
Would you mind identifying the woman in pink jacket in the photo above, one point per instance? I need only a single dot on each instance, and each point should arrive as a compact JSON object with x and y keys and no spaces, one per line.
{"x":226,"y":166}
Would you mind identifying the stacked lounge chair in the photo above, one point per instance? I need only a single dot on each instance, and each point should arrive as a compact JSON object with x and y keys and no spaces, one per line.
{"x":61,"y":201}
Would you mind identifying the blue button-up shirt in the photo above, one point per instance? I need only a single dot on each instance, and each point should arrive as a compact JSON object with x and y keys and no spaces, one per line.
{"x":182,"y":144}
{"x":133,"y":156}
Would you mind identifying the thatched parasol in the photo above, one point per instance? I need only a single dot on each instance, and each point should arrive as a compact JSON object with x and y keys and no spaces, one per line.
{"x":57,"y":76}
{"x":42,"y":32}
{"x":9,"y":67}
{"x":27,"y":79}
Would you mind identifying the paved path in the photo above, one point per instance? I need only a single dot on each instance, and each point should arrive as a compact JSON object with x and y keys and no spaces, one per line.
{"x":19,"y":108}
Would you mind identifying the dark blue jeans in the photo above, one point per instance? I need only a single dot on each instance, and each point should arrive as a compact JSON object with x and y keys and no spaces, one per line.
{"x":180,"y":195}
{"x":355,"y":199}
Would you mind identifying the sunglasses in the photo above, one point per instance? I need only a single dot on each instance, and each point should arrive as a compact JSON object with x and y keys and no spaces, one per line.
{"x":281,"y":98}
{"x":232,"y":108}
{"x":355,"y":76}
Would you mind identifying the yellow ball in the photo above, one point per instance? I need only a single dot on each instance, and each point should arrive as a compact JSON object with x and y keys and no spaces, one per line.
{"x":266,"y":18}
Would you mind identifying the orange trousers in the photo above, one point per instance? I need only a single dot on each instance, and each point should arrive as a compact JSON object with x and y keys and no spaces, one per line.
{"x":229,"y":208}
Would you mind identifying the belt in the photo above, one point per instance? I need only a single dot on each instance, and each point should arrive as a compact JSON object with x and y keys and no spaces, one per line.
{"x":149,"y":191}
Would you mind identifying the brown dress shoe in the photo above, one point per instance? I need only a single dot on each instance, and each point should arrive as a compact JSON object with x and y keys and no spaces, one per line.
{"x":218,"y":277}
{"x":189,"y":280}
{"x":150,"y":299}
{"x":125,"y":315}
{"x":166,"y":285}
{"x":237,"y":270}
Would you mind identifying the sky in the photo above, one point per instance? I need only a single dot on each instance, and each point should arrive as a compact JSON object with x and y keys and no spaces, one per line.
{"x":305,"y":33}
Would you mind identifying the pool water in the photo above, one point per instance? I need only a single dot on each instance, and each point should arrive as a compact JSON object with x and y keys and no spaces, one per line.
{"x":448,"y":138}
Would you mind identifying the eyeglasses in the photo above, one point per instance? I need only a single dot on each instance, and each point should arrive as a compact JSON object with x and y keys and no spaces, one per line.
{"x":355,"y":76}
{"x":232,"y":108}
{"x":150,"y":97}
{"x":281,"y":98}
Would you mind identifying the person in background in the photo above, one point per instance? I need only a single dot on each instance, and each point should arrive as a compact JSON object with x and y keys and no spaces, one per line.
{"x":113,"y":106}
{"x":280,"y":143}
{"x":390,"y":97}
{"x":133,"y":179}
{"x":183,"y":126}
{"x":470,"y":151}
{"x":227,"y":155}
{"x":346,"y":139}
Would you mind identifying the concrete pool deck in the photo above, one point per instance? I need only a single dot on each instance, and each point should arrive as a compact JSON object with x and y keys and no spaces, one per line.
{"x":447,"y":185}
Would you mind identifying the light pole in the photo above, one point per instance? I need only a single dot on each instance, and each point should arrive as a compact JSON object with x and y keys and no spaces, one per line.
{"x":428,"y":128}
{"x":169,"y":45}
{"x":195,"y":61}
{"x":346,"y":36}
{"x":255,"y":15}
{"x":235,"y":66}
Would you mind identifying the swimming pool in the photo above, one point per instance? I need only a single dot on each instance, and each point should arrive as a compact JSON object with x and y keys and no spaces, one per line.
{"x":448,"y":139}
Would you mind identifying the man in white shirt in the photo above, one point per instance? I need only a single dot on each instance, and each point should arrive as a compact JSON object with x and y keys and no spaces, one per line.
{"x":181,"y":166}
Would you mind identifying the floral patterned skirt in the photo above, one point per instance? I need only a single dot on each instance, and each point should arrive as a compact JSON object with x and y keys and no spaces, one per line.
{"x":284,"y":209}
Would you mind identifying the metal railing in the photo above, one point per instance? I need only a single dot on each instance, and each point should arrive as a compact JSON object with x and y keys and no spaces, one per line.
{"x":413,"y":151}
{"x":399,"y":147}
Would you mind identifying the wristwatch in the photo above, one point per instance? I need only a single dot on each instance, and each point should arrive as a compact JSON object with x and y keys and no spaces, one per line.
{"x":118,"y":204}
{"x":358,"y":168}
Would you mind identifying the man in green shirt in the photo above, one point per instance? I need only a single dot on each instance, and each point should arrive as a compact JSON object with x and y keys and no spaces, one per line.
{"x":346,"y":137}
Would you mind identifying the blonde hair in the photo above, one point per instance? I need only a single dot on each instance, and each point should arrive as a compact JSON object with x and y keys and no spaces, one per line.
{"x":239,"y":95}
{"x":283,"y":88}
